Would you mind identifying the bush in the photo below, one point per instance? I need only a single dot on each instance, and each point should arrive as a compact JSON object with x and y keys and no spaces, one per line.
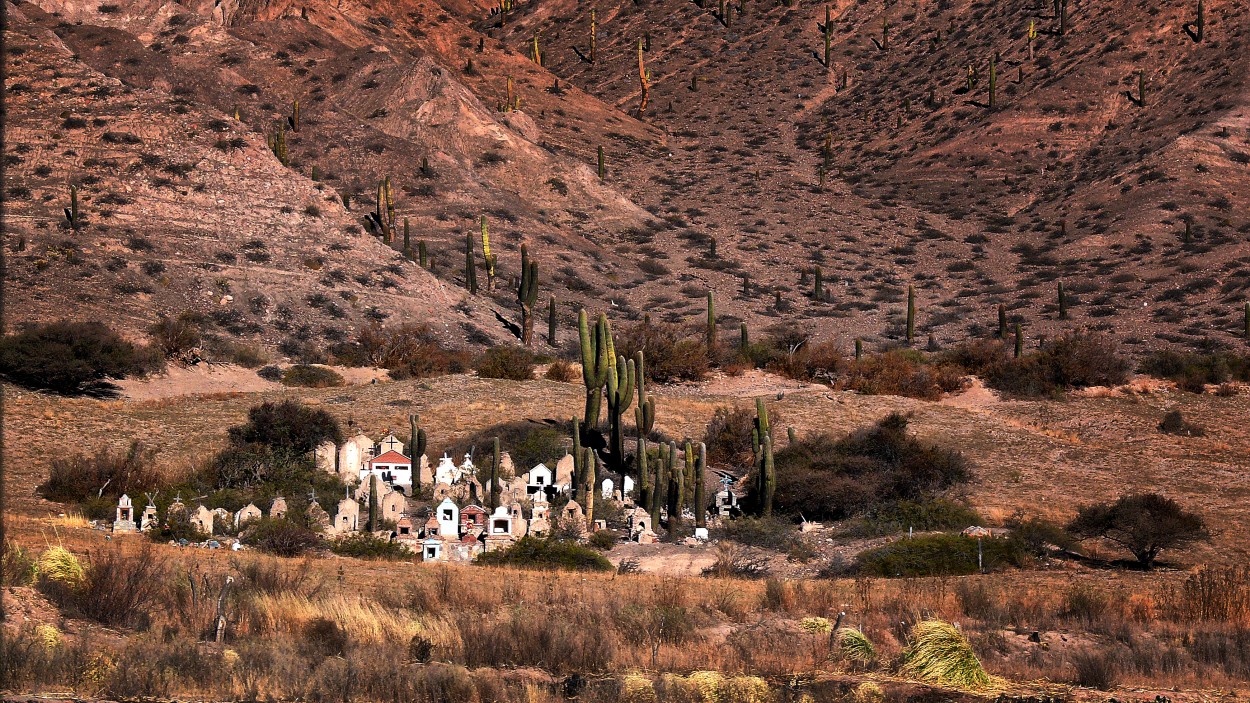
{"x":105,"y":476}
{"x":604,"y":540}
{"x":736,"y":561}
{"x":407,"y":351}
{"x":270,"y":373}
{"x":1195,"y":370}
{"x":671,"y":355}
{"x":1144,"y":524}
{"x":939,"y":555}
{"x":1074,"y":360}
{"x":728,"y":435}
{"x":1174,"y":423}
{"x":175,"y":335}
{"x":823,"y":477}
{"x":308,"y":376}
{"x":115,"y":588}
{"x":560,"y":371}
{"x":925,"y":515}
{"x":322,"y":637}
{"x":363,"y":545}
{"x":281,"y":537}
{"x":17,"y":568}
{"x":512,"y":363}
{"x":535,"y":553}
{"x":1038,"y":535}
{"x":900,"y":372}
{"x":287,"y":426}
{"x":73,"y":358}
{"x":766,"y":532}
{"x":528,"y":443}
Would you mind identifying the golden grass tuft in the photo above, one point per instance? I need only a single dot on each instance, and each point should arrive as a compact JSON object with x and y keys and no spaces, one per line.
{"x":855,"y":645}
{"x":60,"y":565}
{"x":940,"y":654}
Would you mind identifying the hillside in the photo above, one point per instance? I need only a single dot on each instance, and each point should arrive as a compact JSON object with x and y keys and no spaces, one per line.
{"x":1067,"y":178}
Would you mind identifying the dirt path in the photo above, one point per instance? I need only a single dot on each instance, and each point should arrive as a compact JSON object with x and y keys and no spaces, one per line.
{"x":209,"y":379}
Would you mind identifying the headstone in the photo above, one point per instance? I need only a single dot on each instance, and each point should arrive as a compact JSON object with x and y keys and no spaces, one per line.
{"x":202,"y":520}
{"x":278,"y":508}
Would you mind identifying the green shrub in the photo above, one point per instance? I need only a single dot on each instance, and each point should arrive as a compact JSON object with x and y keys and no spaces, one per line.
{"x":73,"y":358}
{"x":671,"y":354}
{"x":605,"y":540}
{"x":512,"y":363}
{"x":309,"y":376}
{"x":529,"y":443}
{"x":535,"y":553}
{"x":823,"y":477}
{"x":175,"y":335}
{"x":925,"y":515}
{"x":939,"y":555}
{"x":281,"y":537}
{"x":363,"y":545}
{"x":287,"y":426}
{"x":1193,"y":370}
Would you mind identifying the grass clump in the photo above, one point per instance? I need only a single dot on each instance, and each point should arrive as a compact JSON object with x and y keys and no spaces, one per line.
{"x":855,"y":645}
{"x":940,"y":654}
{"x":535,"y":553}
{"x":59,"y":565}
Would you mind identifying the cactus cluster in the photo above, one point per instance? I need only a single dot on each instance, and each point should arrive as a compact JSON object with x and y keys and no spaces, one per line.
{"x":511,"y":101}
{"x":382,"y":219}
{"x":277,"y":144}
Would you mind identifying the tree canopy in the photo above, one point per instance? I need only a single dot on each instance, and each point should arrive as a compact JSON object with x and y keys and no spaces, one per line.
{"x":1144,"y":524}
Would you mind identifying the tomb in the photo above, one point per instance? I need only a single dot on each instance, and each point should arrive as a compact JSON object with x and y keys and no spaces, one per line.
{"x":202,"y":520}
{"x":347,"y":519}
{"x":246,"y":515}
{"x":448,"y":516}
{"x":278,"y":508}
{"x":125,"y":519}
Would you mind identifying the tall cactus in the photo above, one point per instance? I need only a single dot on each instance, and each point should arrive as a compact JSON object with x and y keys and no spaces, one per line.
{"x":744,"y":341}
{"x":594,"y":40}
{"x":383,"y":216}
{"x":527,"y":295}
{"x":993,"y":83}
{"x":372,"y":524}
{"x":620,"y":394}
{"x":493,"y":491}
{"x":551,"y":321}
{"x":1245,"y":331}
{"x":828,"y":32}
{"x":768,"y":476}
{"x":71,"y":212}
{"x":1197,"y":30}
{"x":859,"y":348}
{"x":911,"y":314}
{"x":1019,"y":341}
{"x":416,"y":449}
{"x":294,"y":118}
{"x":487,"y":257}
{"x":644,"y":472}
{"x":596,"y":349}
{"x":1002,"y":321}
{"x":644,"y":82}
{"x":818,"y":286}
{"x":676,"y":489}
{"x":1063,"y":302}
{"x":710,"y":333}
{"x":602,"y":163}
{"x":470,"y":265}
{"x":700,"y":500}
{"x":659,"y":485}
{"x":644,"y":414}
{"x":535,"y":52}
{"x":423,"y":256}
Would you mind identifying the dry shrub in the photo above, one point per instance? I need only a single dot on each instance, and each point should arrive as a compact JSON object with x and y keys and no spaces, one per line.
{"x":902,"y":373}
{"x":561,"y":371}
{"x":103,"y":477}
{"x":407,"y":351}
{"x":820,"y":361}
{"x":526,"y":637}
{"x":1212,"y":594}
{"x":1095,"y":669}
{"x":728,"y":435}
{"x":736,"y":561}
{"x":507,"y":362}
{"x":116,"y":588}
{"x":671,"y":353}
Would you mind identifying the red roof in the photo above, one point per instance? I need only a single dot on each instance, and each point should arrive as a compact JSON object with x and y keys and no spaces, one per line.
{"x":391,"y":457}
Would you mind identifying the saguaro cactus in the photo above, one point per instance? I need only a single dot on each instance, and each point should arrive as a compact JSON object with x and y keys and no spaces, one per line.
{"x":1245,"y":331}
{"x":1197,"y":30}
{"x":828,"y":32}
{"x":659,"y":484}
{"x":710,"y":332}
{"x":594,"y":37}
{"x":1002,"y":321}
{"x":382,"y":219}
{"x":768,"y":477}
{"x":859,"y":348}
{"x":277,"y":144}
{"x":487,"y":257}
{"x":527,"y":295}
{"x":372,"y":524}
{"x":993,"y":83}
{"x":676,"y":490}
{"x":71,"y":212}
{"x":493,"y":491}
{"x":1063,"y":302}
{"x":602,"y":164}
{"x":596,"y":349}
{"x":644,"y":81}
{"x":620,"y":394}
{"x":423,"y":256}
{"x":744,"y":340}
{"x":1019,"y":341}
{"x":644,"y":472}
{"x":535,"y":52}
{"x":551,"y":321}
{"x":700,"y":501}
{"x":818,"y":286}
{"x":470,"y":265}
{"x":294,"y":118}
{"x":1032,"y":37}
{"x":911,"y":314}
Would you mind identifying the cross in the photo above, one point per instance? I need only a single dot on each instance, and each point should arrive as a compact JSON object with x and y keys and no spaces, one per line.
{"x":312,"y":496}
